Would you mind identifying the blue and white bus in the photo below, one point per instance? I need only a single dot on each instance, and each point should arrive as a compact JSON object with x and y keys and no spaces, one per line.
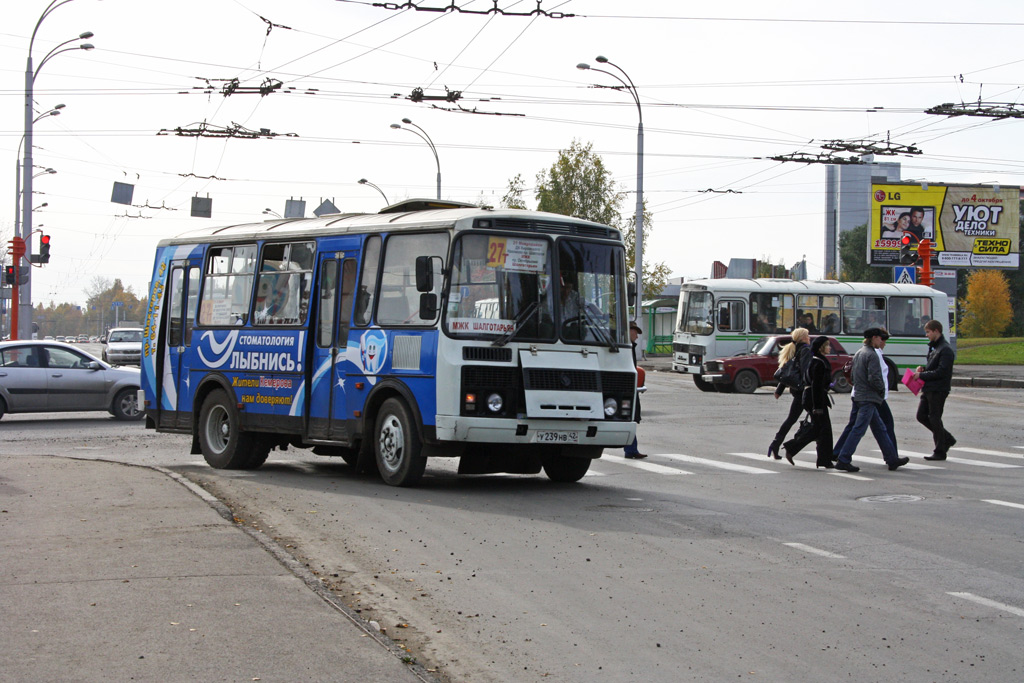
{"x":428,"y":329}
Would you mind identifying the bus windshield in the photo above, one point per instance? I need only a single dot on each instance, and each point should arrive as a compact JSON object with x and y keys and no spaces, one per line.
{"x":696,"y":318}
{"x":501,"y":287}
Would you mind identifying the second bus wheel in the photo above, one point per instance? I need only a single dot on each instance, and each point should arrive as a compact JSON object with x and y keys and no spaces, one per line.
{"x":224,"y":445}
{"x":397,"y":446}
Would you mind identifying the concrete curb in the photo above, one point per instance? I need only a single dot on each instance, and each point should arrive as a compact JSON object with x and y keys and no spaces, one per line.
{"x":988,"y":382}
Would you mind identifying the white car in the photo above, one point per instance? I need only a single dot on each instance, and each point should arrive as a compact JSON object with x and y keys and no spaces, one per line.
{"x":124,"y":346}
{"x":48,"y":376}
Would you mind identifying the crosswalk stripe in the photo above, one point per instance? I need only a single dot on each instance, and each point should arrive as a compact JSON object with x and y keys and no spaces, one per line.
{"x":983,"y":451}
{"x":908,"y":466}
{"x":806,"y":465}
{"x":1006,"y":503}
{"x":642,"y":465}
{"x":716,"y":463}
{"x":988,"y":603}
{"x":964,"y":461}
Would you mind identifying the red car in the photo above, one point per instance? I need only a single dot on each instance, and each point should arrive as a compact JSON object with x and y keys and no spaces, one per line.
{"x":746,"y":372}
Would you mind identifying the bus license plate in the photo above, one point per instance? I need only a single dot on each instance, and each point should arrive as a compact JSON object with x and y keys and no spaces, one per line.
{"x":556,"y":437}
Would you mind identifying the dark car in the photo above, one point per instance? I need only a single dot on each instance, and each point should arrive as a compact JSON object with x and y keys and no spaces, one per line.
{"x":48,"y":376}
{"x":748,"y":371}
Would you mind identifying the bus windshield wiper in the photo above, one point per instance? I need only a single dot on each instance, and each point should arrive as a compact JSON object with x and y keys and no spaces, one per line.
{"x":599,"y":330}
{"x":517,"y":324}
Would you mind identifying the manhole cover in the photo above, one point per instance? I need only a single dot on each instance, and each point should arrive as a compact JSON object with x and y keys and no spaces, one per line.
{"x":892,"y":498}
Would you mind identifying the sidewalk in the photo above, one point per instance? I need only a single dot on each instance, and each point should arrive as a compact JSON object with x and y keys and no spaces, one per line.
{"x":998,"y":376}
{"x":115,"y":572}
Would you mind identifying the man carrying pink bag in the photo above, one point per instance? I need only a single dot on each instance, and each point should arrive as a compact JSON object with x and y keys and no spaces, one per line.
{"x":937,"y":376}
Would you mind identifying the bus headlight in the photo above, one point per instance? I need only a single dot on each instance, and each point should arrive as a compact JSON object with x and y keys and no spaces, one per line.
{"x":611,"y":406}
{"x":494,"y":403}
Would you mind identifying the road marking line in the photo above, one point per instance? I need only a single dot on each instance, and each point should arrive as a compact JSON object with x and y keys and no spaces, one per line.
{"x":964,"y":461}
{"x":1003,"y":502}
{"x":716,"y":463}
{"x":806,"y":465}
{"x":908,"y":466}
{"x":988,"y":603}
{"x":815,"y":551}
{"x":641,"y":465}
{"x":982,"y":451}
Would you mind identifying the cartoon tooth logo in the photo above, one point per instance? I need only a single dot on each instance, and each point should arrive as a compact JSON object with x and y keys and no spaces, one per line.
{"x":373,"y":349}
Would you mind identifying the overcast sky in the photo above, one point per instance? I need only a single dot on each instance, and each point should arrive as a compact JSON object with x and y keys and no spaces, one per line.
{"x":723,"y":88}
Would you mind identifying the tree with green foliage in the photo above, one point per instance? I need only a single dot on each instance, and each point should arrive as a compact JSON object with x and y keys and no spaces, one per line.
{"x":986,"y":311}
{"x":579,"y":184}
{"x":853,"y":258}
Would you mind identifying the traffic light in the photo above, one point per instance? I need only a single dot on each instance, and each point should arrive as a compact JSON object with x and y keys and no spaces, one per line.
{"x":907,"y":257}
{"x":44,"y":248}
{"x":9,"y":275}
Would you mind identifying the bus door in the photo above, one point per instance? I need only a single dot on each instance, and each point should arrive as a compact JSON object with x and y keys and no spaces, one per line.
{"x":182,"y":302}
{"x":335,"y":287}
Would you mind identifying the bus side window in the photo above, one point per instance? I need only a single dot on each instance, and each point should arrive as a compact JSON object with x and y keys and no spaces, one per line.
{"x":348,"y":287}
{"x":326,"y":305}
{"x":175,"y":294}
{"x":368,"y":281}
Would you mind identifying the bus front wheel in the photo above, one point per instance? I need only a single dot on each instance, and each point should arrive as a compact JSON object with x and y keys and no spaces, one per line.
{"x":703,"y":385}
{"x":570,"y":468}
{"x":224,"y":445}
{"x":397,"y":446}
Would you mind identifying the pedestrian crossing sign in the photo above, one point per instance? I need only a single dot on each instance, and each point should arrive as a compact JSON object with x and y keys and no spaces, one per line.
{"x":904,"y":275}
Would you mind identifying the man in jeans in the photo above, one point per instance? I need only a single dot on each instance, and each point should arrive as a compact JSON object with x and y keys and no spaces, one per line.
{"x":869,"y":392}
{"x":937,"y":376}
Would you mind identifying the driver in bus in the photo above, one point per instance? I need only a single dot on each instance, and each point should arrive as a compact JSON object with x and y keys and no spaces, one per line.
{"x":571,"y":304}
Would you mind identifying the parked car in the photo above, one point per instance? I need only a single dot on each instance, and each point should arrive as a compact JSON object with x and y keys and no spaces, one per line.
{"x":83,"y":339}
{"x":123,"y":346}
{"x":748,"y":371}
{"x":61,"y":338}
{"x":49,"y":376}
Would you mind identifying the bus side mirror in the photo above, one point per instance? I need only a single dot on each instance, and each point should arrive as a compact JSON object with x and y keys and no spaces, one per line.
{"x":424,"y":274}
{"x":631,"y":292}
{"x":428,"y":305}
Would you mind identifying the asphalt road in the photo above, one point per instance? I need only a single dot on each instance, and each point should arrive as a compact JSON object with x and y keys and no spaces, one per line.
{"x":705,"y":561}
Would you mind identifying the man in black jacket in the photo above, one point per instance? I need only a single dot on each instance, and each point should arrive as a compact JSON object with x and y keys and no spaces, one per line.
{"x":936,"y":376}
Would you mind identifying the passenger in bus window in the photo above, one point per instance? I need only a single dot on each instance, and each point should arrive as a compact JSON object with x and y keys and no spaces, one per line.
{"x":807,"y":322}
{"x":830,"y":325}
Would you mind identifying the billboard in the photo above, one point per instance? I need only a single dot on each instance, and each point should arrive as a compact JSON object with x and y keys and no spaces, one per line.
{"x":970,"y":226}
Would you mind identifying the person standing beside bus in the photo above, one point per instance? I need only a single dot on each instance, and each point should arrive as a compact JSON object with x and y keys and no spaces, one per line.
{"x":797,"y":351}
{"x":817,"y":402}
{"x":937,"y":377}
{"x":632,"y":452}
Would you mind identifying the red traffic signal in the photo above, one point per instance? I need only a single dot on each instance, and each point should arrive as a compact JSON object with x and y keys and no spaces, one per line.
{"x":9,"y":275}
{"x":44,"y":248}
{"x":907,"y":257}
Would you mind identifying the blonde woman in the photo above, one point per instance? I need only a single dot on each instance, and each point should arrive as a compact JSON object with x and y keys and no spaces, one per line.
{"x":797,"y":351}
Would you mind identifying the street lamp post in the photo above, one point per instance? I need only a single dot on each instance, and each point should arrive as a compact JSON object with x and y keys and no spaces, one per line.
{"x":639,"y":228}
{"x":364,"y":181}
{"x":426,"y":138}
{"x":271,"y":212}
{"x":25,"y":303}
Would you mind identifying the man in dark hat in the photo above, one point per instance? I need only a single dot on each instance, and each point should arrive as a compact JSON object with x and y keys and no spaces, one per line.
{"x":631,"y":450}
{"x":870,"y":389}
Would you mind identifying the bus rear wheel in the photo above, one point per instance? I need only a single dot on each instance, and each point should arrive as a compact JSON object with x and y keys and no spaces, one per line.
{"x":397,"y":446}
{"x":225,"y":446}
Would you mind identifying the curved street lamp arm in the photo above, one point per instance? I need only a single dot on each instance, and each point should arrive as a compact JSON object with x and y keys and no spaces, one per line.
{"x":54,"y":4}
{"x":55,"y":52}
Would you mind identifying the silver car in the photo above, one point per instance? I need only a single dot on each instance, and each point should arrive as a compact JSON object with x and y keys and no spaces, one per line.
{"x":124,"y":346}
{"x":48,"y":376}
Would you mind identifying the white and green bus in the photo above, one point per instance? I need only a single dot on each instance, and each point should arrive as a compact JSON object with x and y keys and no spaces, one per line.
{"x":725,"y":317}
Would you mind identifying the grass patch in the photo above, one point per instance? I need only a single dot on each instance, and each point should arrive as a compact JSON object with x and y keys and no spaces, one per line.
{"x":990,"y":351}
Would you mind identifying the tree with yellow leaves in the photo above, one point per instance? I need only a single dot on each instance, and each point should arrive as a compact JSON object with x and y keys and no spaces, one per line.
{"x":987,"y":310}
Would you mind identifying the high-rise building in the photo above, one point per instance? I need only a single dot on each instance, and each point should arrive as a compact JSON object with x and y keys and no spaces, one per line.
{"x":848,"y":201}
